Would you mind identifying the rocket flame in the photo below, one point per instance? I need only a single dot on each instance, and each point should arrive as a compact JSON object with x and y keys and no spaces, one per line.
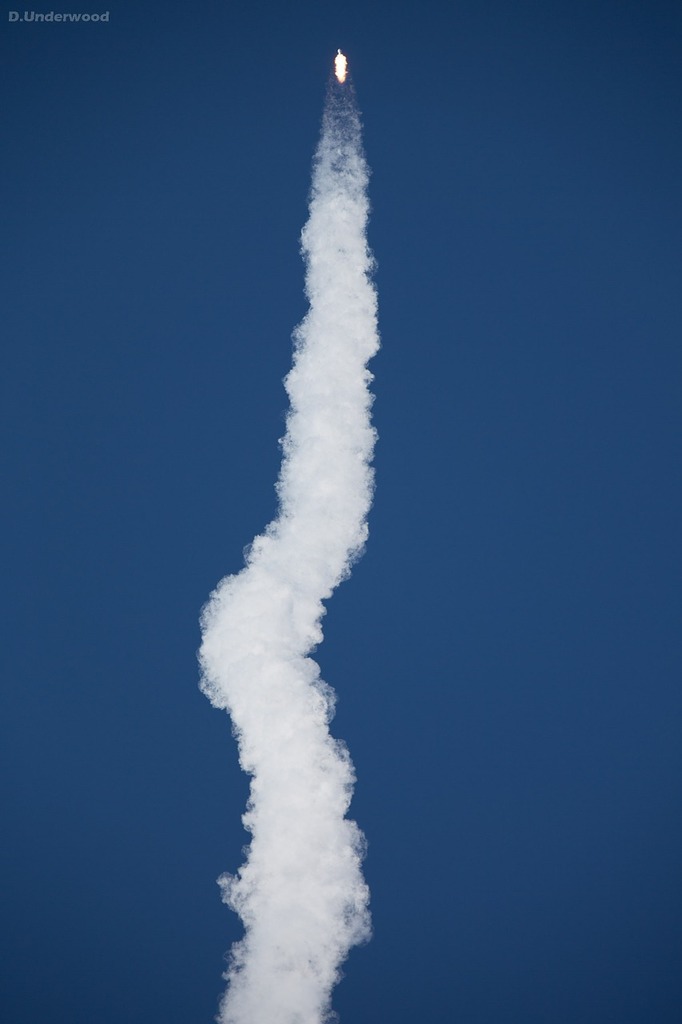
{"x":340,"y":66}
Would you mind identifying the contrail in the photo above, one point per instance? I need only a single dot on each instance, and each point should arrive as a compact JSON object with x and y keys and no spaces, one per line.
{"x":301,"y":894}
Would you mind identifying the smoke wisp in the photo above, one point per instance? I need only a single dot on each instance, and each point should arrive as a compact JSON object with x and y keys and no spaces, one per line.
{"x":301,"y":894}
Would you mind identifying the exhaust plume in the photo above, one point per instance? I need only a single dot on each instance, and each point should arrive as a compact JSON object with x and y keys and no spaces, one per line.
{"x":300,"y":893}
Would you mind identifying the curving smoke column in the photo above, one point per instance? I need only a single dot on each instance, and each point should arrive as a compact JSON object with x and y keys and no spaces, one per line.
{"x":301,"y":894}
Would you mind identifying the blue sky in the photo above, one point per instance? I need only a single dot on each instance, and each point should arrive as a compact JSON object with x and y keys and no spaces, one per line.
{"x":506,"y":655}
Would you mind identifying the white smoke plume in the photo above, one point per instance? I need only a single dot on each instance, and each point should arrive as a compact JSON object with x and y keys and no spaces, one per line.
{"x":301,"y":894}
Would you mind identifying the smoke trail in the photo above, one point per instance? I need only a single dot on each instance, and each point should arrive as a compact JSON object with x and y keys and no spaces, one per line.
{"x":301,"y":894}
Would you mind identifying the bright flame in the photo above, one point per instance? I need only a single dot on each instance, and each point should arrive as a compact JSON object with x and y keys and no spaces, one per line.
{"x":340,"y":65}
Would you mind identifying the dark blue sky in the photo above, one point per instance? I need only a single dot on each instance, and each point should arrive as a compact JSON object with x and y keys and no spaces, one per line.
{"x":507,"y":654}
